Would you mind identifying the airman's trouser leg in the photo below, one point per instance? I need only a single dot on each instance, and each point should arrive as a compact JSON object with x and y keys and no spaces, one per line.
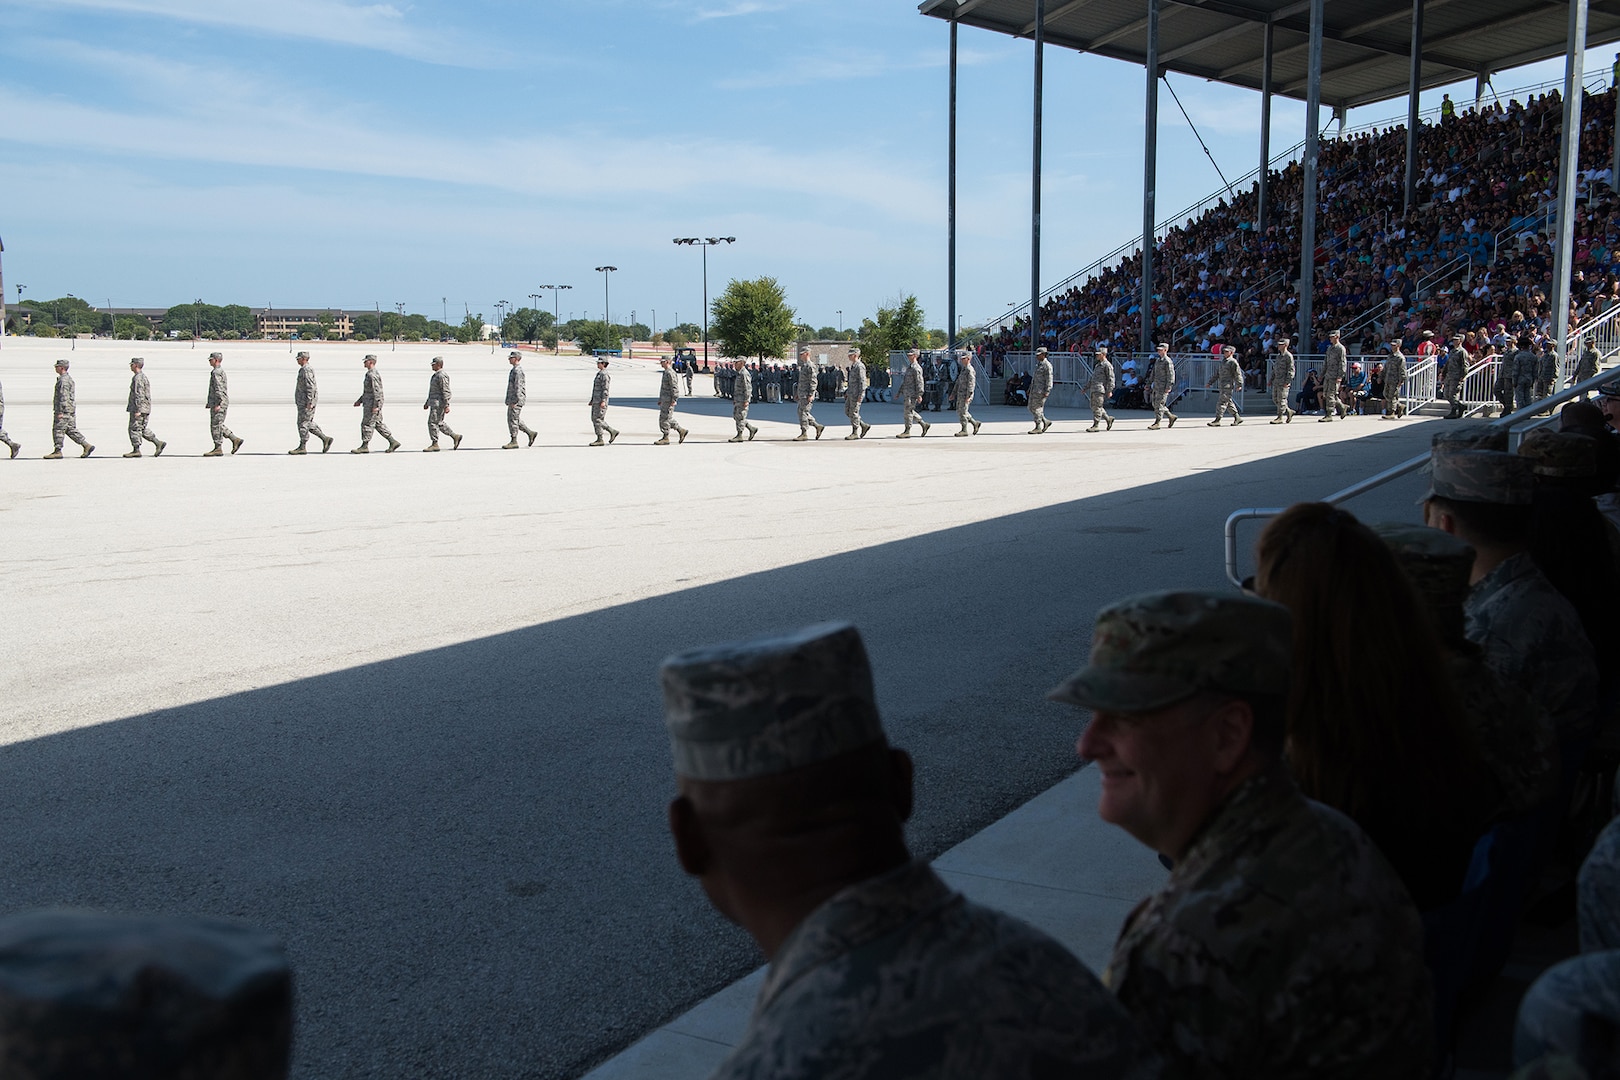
{"x":4,"y":438}
{"x":599,"y":423}
{"x":966,"y":418}
{"x":739,"y":416}
{"x":437,"y":426}
{"x":1524,"y":395}
{"x":1454,"y":399}
{"x":806,"y":420}
{"x":1392,"y":400}
{"x":666,"y":421}
{"x":908,"y":409}
{"x":1099,"y":414}
{"x":515,"y":424}
{"x":308,"y":427}
{"x":66,"y":427}
{"x":373,"y":421}
{"x":852,"y":409}
{"x":137,"y":432}
{"x":1331,"y":405}
{"x":217,"y":428}
{"x":1037,"y":410}
{"x":1279,"y":398}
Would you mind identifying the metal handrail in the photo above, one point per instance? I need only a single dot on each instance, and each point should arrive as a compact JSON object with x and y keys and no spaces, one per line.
{"x":1528,"y":413}
{"x":1421,"y":289}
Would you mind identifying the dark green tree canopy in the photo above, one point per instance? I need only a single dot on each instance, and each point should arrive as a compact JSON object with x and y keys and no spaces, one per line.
{"x":752,"y":318}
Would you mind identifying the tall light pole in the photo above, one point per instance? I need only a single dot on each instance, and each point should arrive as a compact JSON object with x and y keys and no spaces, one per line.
{"x":399,"y":325}
{"x":607,"y":306}
{"x":556,"y":312}
{"x":536,"y":298}
{"x":705,"y":243}
{"x":3,"y":296}
{"x":500,"y":322}
{"x":840,"y":321}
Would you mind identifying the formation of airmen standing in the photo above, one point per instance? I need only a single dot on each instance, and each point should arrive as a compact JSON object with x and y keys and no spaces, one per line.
{"x":1527,"y":375}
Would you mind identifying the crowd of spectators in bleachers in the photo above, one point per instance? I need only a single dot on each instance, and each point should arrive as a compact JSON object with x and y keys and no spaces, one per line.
{"x":1473,"y":259}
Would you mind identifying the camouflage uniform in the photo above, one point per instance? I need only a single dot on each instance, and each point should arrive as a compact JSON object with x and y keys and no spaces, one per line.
{"x":1587,"y":366}
{"x":306,"y":395}
{"x":1281,"y":378}
{"x":517,"y":395}
{"x":599,"y":404}
{"x":1101,"y":386}
{"x":1040,"y":388}
{"x":899,"y":976}
{"x":669,"y":391}
{"x":65,"y":411}
{"x":911,"y":392}
{"x":1161,"y":379}
{"x":1333,"y":371}
{"x":894,"y":975}
{"x":963,"y":392}
{"x":371,"y":406}
{"x":1456,"y":371}
{"x":1524,"y":378}
{"x":1283,"y":945}
{"x":804,"y":393}
{"x":1546,"y":372}
{"x":438,"y":403}
{"x":219,"y":403}
{"x":4,"y":438}
{"x":1228,"y":378}
{"x":1394,"y":383}
{"x":854,"y":391}
{"x":139,"y":408}
{"x":742,"y":392}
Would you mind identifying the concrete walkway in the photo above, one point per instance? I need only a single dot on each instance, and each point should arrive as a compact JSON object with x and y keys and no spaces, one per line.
{"x":1051,"y":863}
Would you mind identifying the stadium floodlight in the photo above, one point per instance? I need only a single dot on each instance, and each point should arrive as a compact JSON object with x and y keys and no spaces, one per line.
{"x":705,"y":243}
{"x":607,"y":306}
{"x":556,"y":312}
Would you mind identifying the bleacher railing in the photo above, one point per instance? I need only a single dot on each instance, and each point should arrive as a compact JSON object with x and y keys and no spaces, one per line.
{"x":1602,"y":332}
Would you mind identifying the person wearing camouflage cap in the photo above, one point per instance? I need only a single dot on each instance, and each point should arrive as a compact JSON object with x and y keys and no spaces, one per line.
{"x":1228,"y":381}
{"x":854,"y":391}
{"x":600,"y":387}
{"x":87,"y":996}
{"x":1099,"y":389}
{"x":139,"y":408}
{"x":1161,"y":380}
{"x":517,"y":395}
{"x":370,"y":404}
{"x":218,"y":404}
{"x":669,"y":392}
{"x":1451,"y":384}
{"x":1394,"y":382}
{"x":1281,"y":378}
{"x":306,"y":395}
{"x":1608,"y":401}
{"x":1283,"y":944}
{"x":438,"y":407}
{"x":790,"y":811}
{"x":1334,"y":368}
{"x":911,"y":393}
{"x":1518,"y":745}
{"x":962,"y":392}
{"x":1531,"y":636}
{"x":1040,"y":388}
{"x":1546,"y":373}
{"x":14,"y":446}
{"x":64,"y":415}
{"x":1586,"y":367}
{"x":1470,"y":435}
{"x":1524,"y":365}
{"x":804,"y":395}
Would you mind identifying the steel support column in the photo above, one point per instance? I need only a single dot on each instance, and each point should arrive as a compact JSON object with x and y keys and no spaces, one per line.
{"x":1035,"y":185}
{"x":1150,"y":169}
{"x":1614,"y":163}
{"x":1313,"y":148}
{"x":1481,"y":81}
{"x":950,"y":213}
{"x":1265,"y":127}
{"x":1414,"y":85}
{"x":1569,"y":161}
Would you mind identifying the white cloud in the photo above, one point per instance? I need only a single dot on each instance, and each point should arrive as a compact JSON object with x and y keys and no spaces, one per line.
{"x":739,"y":8}
{"x":380,"y":27}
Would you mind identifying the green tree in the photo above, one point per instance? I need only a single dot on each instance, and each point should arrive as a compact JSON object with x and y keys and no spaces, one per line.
{"x":692,"y":331}
{"x":676,"y":338}
{"x":752,"y":318}
{"x":897,"y":327}
{"x":595,"y":335}
{"x":471,"y":328}
{"x":526,"y":324}
{"x":310,"y":331}
{"x":368,"y":323}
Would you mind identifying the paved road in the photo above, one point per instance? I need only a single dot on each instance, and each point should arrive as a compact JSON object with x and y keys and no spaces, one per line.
{"x":402,"y":709}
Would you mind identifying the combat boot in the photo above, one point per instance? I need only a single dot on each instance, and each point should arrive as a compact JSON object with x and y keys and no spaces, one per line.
{"x":682,"y":433}
{"x":1173,"y":419}
{"x":326,"y":443}
{"x":297,"y":450}
{"x":735,"y":438}
{"x":819,"y":429}
{"x":1036,"y":430}
{"x":215,"y":452}
{"x":157,"y":451}
{"x":1109,"y":420}
{"x":925,"y":425}
{"x":1327,"y":418}
{"x":1278,"y":420}
{"x":865,"y":427}
{"x":393,"y":444}
{"x":1236,"y":420}
{"x":134,"y":453}
{"x":89,"y":449}
{"x":1155,"y":426}
{"x":975,"y":427}
{"x":236,"y":444}
{"x":803,"y":435}
{"x":1094,"y":427}
{"x":906,"y":434}
{"x":964,"y":433}
{"x":431,"y":448}
{"x":662,"y":442}
{"x":363,"y":448}
{"x":598,"y":442}
{"x":752,"y":431}
{"x":613,"y":433}
{"x":532,"y":436}
{"x":1046,"y":426}
{"x":455,"y":442}
{"x":854,"y":433}
{"x":16,"y":448}
{"x":511,"y":445}
{"x":1288,"y":415}
{"x":54,"y":455}
{"x":1215,"y":422}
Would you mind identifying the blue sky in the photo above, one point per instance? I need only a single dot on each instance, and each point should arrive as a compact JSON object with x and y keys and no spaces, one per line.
{"x":320,"y":152}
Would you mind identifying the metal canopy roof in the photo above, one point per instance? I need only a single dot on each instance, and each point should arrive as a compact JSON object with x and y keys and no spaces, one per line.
{"x":1366,"y":44}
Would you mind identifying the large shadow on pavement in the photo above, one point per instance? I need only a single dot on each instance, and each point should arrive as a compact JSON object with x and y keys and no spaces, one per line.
{"x":465,"y":848}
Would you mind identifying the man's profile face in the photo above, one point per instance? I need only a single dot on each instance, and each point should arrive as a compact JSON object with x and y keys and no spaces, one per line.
{"x":513,"y":360}
{"x":1154,"y":767}
{"x":1611,"y":411}
{"x":302,"y":360}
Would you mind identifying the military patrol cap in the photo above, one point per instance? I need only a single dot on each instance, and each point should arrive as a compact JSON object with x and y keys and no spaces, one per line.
{"x":302,"y":356}
{"x":1333,"y":333}
{"x":1474,"y":435}
{"x":1481,"y":476}
{"x":1438,"y":564}
{"x":601,"y":361}
{"x":1560,"y":455}
{"x":94,"y":996}
{"x":1428,"y":333}
{"x":1162,"y":345}
{"x":216,"y":356}
{"x":1228,"y":350}
{"x":61,"y":363}
{"x":769,"y":704}
{"x":1156,"y":649}
{"x":1102,"y":348}
{"x":1609,"y":390}
{"x":437,"y":361}
{"x":369,"y":356}
{"x":138,"y":361}
{"x":1041,"y":351}
{"x":515,"y":353}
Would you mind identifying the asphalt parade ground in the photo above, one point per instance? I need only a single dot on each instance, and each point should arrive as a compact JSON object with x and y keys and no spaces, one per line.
{"x":402,"y":709}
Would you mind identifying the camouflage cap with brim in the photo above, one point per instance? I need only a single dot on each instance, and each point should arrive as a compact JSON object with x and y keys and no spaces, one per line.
{"x":1609,"y":390}
{"x":771,"y":704}
{"x":1480,"y":476}
{"x":1560,"y":455}
{"x":1471,"y":435}
{"x":302,"y":356}
{"x":1438,"y":564}
{"x":1153,"y":650}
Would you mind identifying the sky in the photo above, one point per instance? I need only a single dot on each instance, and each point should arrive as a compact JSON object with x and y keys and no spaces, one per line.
{"x":326,"y":153}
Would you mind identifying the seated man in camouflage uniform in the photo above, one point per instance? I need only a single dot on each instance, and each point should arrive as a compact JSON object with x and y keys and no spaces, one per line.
{"x":1283,"y":944}
{"x":791,"y":813}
